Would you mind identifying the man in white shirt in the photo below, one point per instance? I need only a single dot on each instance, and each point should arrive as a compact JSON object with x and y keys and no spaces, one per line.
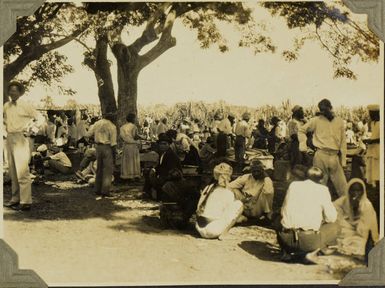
{"x":105,"y":135}
{"x":308,"y":218}
{"x":17,"y":117}
{"x":58,"y":161}
{"x":242,"y":135}
{"x":329,"y":138}
{"x":225,"y":131}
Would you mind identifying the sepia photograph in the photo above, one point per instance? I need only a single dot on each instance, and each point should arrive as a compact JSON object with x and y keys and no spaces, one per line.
{"x":192,"y":143}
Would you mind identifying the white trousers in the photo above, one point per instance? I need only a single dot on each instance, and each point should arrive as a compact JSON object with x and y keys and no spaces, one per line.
{"x":217,"y":227}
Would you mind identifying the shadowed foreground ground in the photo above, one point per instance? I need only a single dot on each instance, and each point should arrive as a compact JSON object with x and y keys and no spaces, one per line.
{"x":69,"y":237}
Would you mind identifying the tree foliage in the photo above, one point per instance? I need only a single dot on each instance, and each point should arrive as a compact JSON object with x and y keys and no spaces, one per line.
{"x":333,"y":28}
{"x":37,"y":36}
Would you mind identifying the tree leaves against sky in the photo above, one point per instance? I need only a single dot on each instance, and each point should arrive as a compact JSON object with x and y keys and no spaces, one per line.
{"x":336,"y":32}
{"x":344,"y":39}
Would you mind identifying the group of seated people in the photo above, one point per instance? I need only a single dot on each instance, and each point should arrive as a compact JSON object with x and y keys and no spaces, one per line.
{"x":308,"y":223}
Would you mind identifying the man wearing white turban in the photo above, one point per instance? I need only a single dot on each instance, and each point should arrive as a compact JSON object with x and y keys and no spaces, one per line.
{"x":217,"y":208}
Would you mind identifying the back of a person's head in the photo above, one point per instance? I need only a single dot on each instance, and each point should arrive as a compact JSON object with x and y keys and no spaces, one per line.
{"x":324,"y":104}
{"x":315,"y":174}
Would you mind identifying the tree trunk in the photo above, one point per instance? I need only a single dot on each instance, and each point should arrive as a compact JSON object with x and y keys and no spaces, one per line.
{"x":127,"y":96}
{"x":5,"y":90}
{"x":128,"y":73}
{"x":104,"y":78}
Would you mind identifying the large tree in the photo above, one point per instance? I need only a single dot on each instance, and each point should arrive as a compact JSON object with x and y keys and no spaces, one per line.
{"x":329,"y":25}
{"x":30,"y":54}
{"x":157,"y":20}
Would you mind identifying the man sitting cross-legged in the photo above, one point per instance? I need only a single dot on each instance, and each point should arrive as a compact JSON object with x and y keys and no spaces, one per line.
{"x":256,"y":191}
{"x":308,"y":221}
{"x":57,"y":161}
{"x":217,"y":209}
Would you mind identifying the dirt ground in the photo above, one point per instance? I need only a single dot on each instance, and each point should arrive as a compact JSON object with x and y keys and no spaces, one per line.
{"x":70,"y":237}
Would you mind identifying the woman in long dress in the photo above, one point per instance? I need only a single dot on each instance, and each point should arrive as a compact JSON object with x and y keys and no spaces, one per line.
{"x":130,"y":168}
{"x":357,"y":219}
{"x":373,"y":150}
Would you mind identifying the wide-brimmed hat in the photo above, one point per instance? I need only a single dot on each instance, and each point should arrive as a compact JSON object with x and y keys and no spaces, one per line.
{"x":19,"y":85}
{"x":163,"y":137}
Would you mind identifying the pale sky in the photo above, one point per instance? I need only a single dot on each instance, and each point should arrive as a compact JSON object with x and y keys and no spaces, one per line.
{"x":187,"y":72}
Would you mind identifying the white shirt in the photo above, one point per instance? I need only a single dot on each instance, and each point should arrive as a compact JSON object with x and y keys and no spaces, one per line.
{"x":104,"y":132}
{"x":62,"y":158}
{"x":18,"y":116}
{"x":225,"y":126}
{"x":307,"y":204}
{"x":217,"y":203}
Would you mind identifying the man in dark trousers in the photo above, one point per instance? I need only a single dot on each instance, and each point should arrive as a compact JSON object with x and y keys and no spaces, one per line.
{"x":105,"y":136}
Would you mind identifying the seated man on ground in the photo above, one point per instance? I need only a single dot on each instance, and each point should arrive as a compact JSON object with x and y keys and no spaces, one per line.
{"x":308,"y":222}
{"x":57,"y":161}
{"x":207,"y":152}
{"x":89,"y":157}
{"x":89,"y":173}
{"x":218,"y":210}
{"x":180,"y":198}
{"x":357,"y":219}
{"x":256,"y":191}
{"x":158,"y":176}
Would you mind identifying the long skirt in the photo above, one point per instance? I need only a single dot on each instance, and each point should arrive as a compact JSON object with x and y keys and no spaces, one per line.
{"x":130,"y":168}
{"x":373,"y":164}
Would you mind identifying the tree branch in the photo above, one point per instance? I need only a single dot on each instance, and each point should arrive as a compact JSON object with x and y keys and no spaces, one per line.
{"x":362,"y":32}
{"x":165,"y":42}
{"x":61,"y":42}
{"x":324,"y":45}
{"x":83,"y":44}
{"x":150,"y":33}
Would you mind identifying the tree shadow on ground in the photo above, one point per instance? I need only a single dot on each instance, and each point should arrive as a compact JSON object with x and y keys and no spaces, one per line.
{"x":53,"y":202}
{"x":262,"y":250}
{"x":151,"y":224}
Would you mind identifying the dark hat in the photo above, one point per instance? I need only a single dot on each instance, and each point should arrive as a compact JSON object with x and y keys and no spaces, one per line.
{"x":19,"y":85}
{"x":163,"y":137}
{"x":296,"y":108}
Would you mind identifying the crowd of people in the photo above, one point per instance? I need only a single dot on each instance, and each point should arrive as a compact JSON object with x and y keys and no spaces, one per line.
{"x":238,"y":187}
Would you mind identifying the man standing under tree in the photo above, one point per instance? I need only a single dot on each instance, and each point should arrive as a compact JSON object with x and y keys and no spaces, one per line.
{"x":105,"y":136}
{"x":17,"y":117}
{"x":242,"y":135}
{"x":329,"y":138}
